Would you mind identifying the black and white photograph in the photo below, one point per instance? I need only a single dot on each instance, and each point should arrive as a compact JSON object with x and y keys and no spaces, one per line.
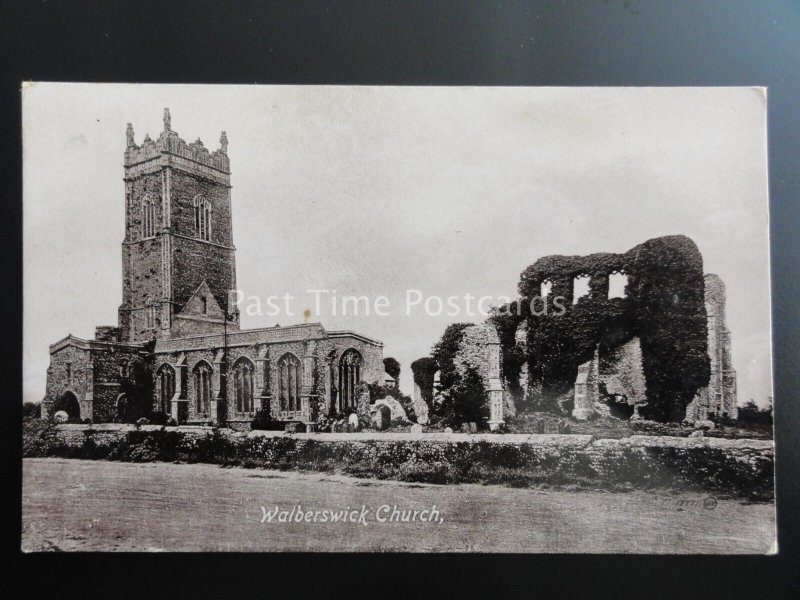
{"x":331,"y":318}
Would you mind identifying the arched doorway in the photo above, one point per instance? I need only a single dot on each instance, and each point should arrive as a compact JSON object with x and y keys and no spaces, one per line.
{"x":69,"y":404}
{"x":122,"y":407}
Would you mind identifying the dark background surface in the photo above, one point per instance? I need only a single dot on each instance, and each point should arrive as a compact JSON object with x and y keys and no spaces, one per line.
{"x":597,"y":42}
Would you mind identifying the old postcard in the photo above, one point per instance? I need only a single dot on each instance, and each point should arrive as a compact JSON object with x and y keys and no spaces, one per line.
{"x":531,"y":320}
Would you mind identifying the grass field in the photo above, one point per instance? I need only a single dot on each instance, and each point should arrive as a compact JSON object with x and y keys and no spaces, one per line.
{"x":76,"y":505}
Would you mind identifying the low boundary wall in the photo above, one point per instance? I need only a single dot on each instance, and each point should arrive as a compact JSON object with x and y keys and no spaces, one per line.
{"x":741,"y":467}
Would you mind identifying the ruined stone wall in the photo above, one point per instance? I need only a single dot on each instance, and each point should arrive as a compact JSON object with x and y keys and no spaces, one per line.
{"x":718,"y":398}
{"x":663,"y":305}
{"x":621,"y":372}
{"x":474,"y":353}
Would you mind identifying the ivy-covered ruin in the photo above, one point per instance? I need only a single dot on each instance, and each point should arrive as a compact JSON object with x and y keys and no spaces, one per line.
{"x":645,"y":343}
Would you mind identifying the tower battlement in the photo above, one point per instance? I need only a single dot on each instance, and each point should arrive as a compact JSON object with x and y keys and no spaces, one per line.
{"x":169,"y":149}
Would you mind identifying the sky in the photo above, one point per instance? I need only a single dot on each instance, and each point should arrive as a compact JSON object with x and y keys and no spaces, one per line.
{"x":380,"y":191}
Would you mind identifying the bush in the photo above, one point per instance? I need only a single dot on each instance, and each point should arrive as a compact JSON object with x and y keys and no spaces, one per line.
{"x":392,"y":367}
{"x":424,"y":370}
{"x":263,"y":421}
{"x":465,"y":401}
{"x":39,"y":438}
{"x":31,"y":410}
{"x":751,"y":413}
{"x":608,"y":467}
{"x":158,"y":417}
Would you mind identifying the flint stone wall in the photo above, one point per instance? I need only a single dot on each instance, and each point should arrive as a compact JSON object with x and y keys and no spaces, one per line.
{"x":740,"y":467}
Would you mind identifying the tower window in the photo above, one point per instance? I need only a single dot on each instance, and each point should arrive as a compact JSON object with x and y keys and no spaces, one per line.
{"x":202,"y":217}
{"x":150,"y":314}
{"x":205,"y":305}
{"x":148,"y":216}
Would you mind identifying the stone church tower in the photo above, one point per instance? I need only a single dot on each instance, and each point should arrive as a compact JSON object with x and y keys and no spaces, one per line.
{"x":178,"y":352}
{"x":178,"y":261}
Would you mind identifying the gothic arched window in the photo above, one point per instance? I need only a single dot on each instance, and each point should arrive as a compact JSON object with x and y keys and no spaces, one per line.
{"x":166,"y":387}
{"x":349,"y":378}
{"x":202,"y":217}
{"x":290,"y":377}
{"x":202,"y":386}
{"x":148,"y":216}
{"x":243,"y":384}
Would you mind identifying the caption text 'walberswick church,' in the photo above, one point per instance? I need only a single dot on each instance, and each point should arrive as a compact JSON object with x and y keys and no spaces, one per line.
{"x":178,"y":347}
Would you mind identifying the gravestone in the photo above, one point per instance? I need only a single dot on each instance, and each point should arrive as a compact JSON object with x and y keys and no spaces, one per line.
{"x":448,"y":430}
{"x":352,"y":423}
{"x":539,"y":425}
{"x":465,"y":428}
{"x":698,"y":433}
{"x":61,"y":417}
{"x":416,"y":428}
{"x":473,"y":427}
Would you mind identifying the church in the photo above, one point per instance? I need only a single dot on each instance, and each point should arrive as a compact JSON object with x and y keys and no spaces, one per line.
{"x":177,"y":348}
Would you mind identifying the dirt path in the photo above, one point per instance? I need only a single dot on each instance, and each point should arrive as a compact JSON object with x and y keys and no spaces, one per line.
{"x":96,"y":505}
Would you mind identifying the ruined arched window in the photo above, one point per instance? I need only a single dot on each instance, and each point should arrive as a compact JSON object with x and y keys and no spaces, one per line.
{"x":148,"y":216}
{"x":166,"y":387}
{"x":289,"y":378}
{"x":202,"y":217}
{"x":201,"y":375}
{"x":617,"y":284}
{"x":243,"y":384}
{"x":349,"y":377}
{"x":580,"y":287}
{"x":545,"y":288}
